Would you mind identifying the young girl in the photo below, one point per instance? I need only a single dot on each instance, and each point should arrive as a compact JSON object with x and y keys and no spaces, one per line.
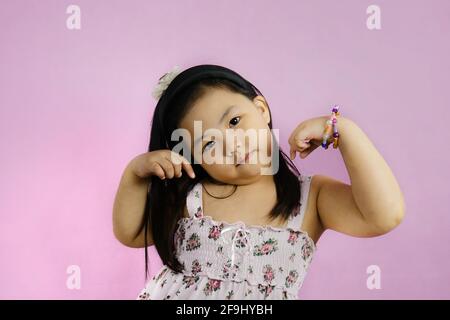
{"x":229,"y":230}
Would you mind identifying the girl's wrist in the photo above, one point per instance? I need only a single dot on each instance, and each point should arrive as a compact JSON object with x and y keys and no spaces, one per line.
{"x":330,"y":133}
{"x":342,"y":127}
{"x":345,"y":125}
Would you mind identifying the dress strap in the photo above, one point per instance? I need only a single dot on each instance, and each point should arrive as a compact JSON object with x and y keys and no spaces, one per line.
{"x":296,"y":219}
{"x":194,"y":201}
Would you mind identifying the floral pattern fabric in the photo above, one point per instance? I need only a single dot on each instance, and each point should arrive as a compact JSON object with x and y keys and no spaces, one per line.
{"x":233,"y":260}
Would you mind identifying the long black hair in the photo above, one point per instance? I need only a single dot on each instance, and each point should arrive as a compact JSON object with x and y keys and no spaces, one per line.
{"x":166,"y":199}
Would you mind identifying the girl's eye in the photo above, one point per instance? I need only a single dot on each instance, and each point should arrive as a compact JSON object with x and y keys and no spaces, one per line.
{"x":233,"y":122}
{"x":207,"y":145}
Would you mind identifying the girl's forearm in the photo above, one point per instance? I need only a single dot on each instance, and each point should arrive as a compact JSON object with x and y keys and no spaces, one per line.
{"x":374,"y":187}
{"x":129,"y":205}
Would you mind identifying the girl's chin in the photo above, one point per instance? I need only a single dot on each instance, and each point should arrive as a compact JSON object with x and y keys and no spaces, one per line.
{"x":248,"y":170}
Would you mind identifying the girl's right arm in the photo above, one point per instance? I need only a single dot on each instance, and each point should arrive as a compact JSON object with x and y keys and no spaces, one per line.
{"x":129,"y":203}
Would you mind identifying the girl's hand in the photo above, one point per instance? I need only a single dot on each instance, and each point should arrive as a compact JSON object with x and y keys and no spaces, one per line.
{"x":161,"y":163}
{"x":308,"y":136}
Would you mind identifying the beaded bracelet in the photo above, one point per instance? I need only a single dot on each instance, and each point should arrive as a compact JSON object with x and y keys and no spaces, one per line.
{"x":331,"y":124}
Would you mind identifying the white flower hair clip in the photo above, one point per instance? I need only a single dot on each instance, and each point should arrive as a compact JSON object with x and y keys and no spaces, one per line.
{"x":164,"y":82}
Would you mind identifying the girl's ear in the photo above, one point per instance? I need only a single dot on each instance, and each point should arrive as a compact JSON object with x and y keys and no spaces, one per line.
{"x":262,"y":107}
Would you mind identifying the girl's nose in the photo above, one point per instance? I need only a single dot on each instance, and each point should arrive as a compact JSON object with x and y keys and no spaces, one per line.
{"x":233,"y":147}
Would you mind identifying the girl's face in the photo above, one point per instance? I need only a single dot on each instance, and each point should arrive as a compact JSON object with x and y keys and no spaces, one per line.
{"x":232,"y":127}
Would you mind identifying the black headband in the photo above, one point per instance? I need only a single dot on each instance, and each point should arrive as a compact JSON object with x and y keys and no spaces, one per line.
{"x":194,"y":74}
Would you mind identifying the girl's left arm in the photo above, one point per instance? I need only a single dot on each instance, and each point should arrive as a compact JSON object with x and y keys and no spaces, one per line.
{"x":373,"y":204}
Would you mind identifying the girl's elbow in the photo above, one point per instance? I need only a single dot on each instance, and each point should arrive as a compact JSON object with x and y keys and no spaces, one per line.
{"x":399,"y":214}
{"x":392,"y":221}
{"x":397,"y":219}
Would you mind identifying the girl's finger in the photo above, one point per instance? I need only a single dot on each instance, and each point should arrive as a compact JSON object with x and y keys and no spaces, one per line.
{"x":158,"y":171}
{"x":305,"y":141}
{"x":176,"y":162}
{"x":167,"y":165}
{"x":184,"y":163}
{"x":177,"y":169}
{"x":299,"y":146}
{"x":292,"y":154}
{"x":306,"y":152}
{"x":298,"y":132}
{"x":304,"y":145}
{"x":188,"y":168}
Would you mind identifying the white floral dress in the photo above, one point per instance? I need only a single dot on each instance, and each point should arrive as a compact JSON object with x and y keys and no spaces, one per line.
{"x":235,"y":261}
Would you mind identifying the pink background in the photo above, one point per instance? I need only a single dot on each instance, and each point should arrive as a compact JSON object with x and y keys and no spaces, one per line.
{"x":76,"y":105}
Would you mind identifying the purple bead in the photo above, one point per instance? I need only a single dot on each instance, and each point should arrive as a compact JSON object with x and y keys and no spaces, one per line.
{"x":336,"y":134}
{"x":335,"y":108}
{"x":324,"y":145}
{"x":334,"y":120}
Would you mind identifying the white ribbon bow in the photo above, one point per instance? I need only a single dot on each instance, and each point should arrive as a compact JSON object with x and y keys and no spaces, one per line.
{"x":240,"y":234}
{"x":164,"y":82}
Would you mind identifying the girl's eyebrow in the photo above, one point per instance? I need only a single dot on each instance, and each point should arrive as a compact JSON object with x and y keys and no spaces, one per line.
{"x":219,"y":122}
{"x":225,"y":113}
